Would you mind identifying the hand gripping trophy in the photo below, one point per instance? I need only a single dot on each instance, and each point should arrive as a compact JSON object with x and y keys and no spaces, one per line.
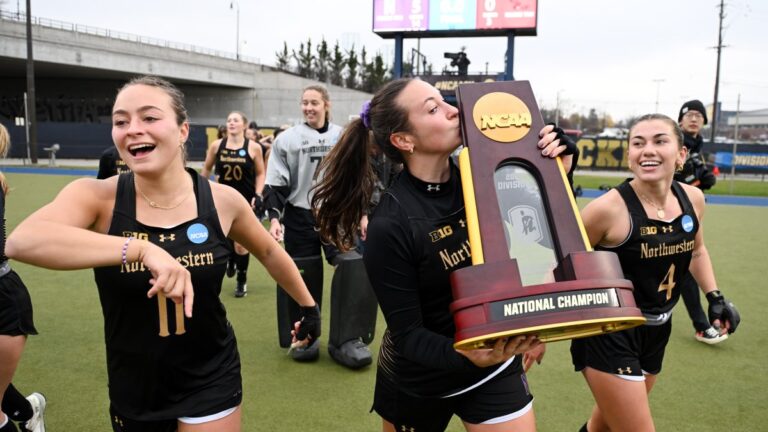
{"x":533,"y":270}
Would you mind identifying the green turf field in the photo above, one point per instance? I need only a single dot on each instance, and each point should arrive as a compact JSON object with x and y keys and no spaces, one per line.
{"x":702,"y":388}
{"x":741,"y":186}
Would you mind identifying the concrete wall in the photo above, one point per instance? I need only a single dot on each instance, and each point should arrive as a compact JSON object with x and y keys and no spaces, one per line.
{"x":74,"y":67}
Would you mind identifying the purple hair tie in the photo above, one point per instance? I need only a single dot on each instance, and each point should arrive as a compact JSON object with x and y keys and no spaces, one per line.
{"x":365,"y":114}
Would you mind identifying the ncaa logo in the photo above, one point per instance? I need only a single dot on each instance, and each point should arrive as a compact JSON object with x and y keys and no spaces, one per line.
{"x":687,"y":223}
{"x":197,"y":233}
{"x":241,"y":152}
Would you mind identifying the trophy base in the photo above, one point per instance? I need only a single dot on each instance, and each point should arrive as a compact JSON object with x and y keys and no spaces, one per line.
{"x":555,"y":332}
{"x":490,"y":302}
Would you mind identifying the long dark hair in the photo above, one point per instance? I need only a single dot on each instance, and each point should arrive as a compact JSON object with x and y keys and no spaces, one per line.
{"x":344,"y":192}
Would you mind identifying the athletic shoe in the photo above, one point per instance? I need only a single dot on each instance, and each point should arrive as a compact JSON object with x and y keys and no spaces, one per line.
{"x":353,"y":354}
{"x":307,"y":353}
{"x":241,"y":290}
{"x":36,"y":423}
{"x":711,"y":336}
{"x":230,"y":268}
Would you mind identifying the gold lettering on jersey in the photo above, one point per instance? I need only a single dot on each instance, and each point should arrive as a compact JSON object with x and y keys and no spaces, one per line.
{"x":169,"y":237}
{"x":667,"y":229}
{"x":196,"y":260}
{"x":232,"y":159}
{"x":132,"y":267}
{"x":651,"y":230}
{"x":121,"y":167}
{"x":664,"y":249}
{"x":188,"y":260}
{"x":136,"y":235}
{"x":453,"y":258}
{"x":441,"y":233}
{"x":178,"y":316}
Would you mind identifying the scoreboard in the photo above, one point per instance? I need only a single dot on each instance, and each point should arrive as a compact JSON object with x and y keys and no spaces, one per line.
{"x":454,"y":18}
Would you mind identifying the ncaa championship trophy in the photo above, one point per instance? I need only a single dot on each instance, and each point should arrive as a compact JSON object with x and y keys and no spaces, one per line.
{"x":533,"y":271}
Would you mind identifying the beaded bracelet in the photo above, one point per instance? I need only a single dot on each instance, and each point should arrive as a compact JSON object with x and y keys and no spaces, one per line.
{"x":125,"y":250}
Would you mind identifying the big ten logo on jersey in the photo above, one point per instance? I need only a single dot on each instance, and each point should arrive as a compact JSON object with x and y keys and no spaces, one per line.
{"x":440,"y":233}
{"x":163,"y":304}
{"x":648,"y":230}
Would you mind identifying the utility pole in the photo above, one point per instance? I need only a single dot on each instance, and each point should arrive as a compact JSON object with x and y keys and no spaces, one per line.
{"x":31,"y":119}
{"x":717,"y":73}
{"x":658,"y":82}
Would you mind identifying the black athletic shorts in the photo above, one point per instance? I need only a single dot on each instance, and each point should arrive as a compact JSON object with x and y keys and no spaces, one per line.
{"x":628,"y":352}
{"x":120,"y":423}
{"x":15,"y":307}
{"x":501,"y":396}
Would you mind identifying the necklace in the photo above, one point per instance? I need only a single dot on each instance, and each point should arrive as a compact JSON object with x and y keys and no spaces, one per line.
{"x":158,"y":206}
{"x":659,"y":210}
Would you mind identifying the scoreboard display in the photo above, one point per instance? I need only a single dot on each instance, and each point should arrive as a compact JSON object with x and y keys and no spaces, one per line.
{"x":451,"y":18}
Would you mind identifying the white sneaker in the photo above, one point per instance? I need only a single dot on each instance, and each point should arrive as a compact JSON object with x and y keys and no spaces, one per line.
{"x":711,"y":336}
{"x":36,"y":423}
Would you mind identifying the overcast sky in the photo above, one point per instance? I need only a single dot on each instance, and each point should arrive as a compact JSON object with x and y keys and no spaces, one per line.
{"x":612,"y":55}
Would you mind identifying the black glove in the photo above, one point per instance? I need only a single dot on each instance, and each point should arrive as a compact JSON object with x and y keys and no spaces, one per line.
{"x":722,"y":309}
{"x":565,"y":140}
{"x":258,"y":206}
{"x":310,"y":323}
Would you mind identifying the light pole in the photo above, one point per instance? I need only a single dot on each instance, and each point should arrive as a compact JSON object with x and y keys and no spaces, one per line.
{"x":234,"y":4}
{"x":557,"y":108}
{"x":658,"y":82}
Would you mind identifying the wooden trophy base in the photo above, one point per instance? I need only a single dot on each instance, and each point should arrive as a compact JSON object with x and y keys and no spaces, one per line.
{"x":490,"y":302}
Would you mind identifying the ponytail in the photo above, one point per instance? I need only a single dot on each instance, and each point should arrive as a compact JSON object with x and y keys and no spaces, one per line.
{"x":343,"y":194}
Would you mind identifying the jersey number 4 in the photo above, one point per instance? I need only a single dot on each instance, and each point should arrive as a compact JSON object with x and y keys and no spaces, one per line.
{"x":669,"y":282}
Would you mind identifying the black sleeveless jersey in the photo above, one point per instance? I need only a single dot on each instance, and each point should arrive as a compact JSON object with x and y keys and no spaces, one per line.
{"x":3,"y":258}
{"x":236,"y":168}
{"x":656,"y":254}
{"x":417,"y":236}
{"x":162,"y":365}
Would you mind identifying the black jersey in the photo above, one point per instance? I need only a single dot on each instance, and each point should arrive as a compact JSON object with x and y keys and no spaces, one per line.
{"x":3,"y":258}
{"x":416,"y":237}
{"x":162,"y":365}
{"x":656,"y":254}
{"x":235,"y":167}
{"x":111,"y":164}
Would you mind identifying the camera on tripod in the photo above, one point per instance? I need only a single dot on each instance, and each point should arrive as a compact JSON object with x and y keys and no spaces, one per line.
{"x":458,"y":60}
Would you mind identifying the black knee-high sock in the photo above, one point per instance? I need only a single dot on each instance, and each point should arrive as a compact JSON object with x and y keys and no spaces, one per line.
{"x":584,"y":428}
{"x":242,"y":266}
{"x":15,"y":405}
{"x":9,"y":426}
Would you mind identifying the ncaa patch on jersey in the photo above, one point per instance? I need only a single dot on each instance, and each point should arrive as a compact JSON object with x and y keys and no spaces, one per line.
{"x":197,"y":233}
{"x":687,"y":223}
{"x":241,"y":152}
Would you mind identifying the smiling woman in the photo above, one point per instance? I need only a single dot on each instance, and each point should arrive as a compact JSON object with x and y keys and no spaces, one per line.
{"x":152,"y":254}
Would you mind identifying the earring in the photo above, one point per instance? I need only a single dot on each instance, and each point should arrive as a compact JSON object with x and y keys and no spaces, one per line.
{"x":411,"y":150}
